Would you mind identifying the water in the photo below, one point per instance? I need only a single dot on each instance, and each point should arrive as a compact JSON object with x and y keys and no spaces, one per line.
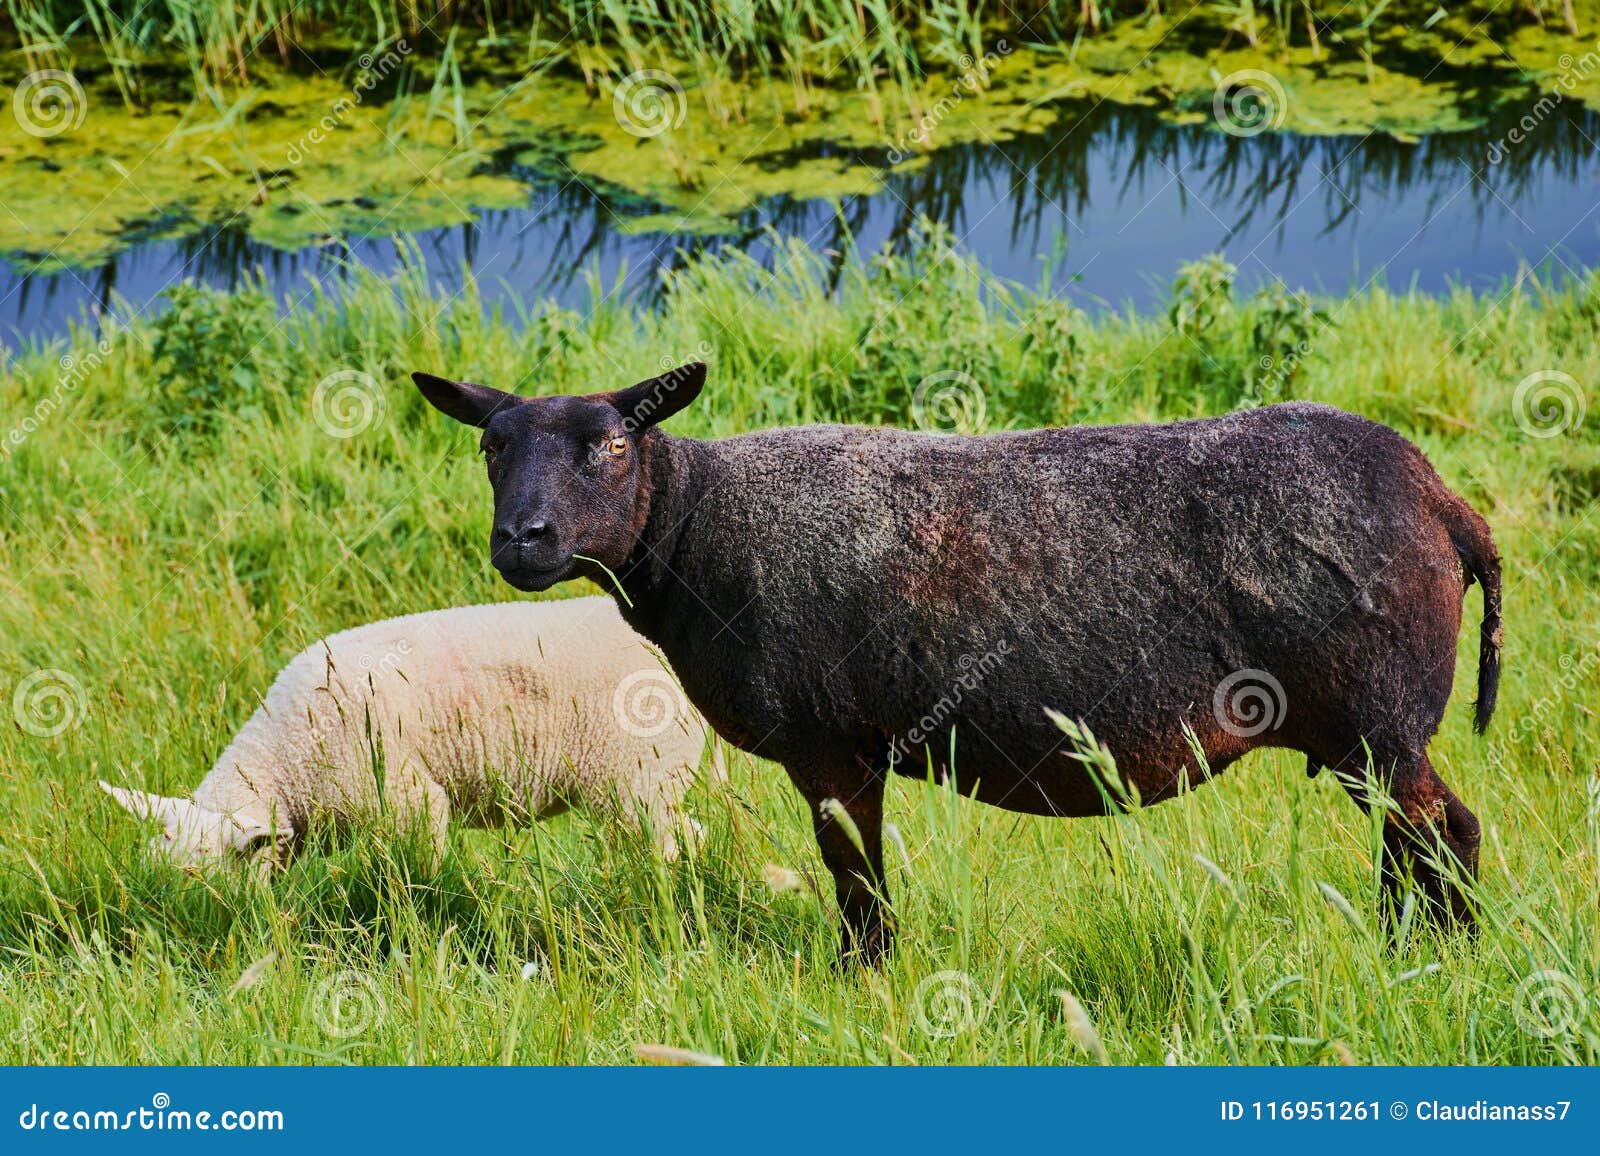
{"x":1129,"y":195}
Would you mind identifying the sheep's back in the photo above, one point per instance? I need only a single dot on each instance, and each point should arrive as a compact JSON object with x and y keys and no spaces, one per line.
{"x":506,"y":700}
{"x":882,"y":577}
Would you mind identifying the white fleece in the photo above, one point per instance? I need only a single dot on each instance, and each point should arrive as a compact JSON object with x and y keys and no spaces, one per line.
{"x":507,"y":712}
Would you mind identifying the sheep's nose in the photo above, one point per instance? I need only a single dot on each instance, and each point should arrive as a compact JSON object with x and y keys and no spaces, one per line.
{"x":523,"y":534}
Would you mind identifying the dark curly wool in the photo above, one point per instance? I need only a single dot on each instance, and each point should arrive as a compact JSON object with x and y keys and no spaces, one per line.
{"x":850,"y":601}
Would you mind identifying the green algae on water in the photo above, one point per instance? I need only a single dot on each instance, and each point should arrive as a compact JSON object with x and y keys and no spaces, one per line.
{"x":295,"y":161}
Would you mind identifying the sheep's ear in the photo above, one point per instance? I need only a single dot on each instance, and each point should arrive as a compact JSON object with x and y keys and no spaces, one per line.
{"x":467,"y":403}
{"x":143,"y":805}
{"x":657,"y":398}
{"x":248,"y":834}
{"x":175,"y":814}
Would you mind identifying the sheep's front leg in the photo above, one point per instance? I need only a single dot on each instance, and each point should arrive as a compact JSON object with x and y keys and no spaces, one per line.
{"x":837,"y":806}
{"x":666,"y":822}
{"x":438,"y":822}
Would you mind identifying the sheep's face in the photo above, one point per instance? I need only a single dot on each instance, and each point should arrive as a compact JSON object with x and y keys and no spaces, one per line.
{"x":565,"y":474}
{"x":568,"y":473}
{"x":194,"y":836}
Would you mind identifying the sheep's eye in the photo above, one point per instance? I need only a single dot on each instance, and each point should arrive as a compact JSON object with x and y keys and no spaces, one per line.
{"x":616,"y":447}
{"x":488,"y":455}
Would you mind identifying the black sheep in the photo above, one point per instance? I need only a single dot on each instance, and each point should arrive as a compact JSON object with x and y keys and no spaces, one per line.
{"x":850,"y":601}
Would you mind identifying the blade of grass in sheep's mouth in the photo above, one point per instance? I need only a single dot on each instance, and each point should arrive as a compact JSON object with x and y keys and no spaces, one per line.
{"x":623,"y":594}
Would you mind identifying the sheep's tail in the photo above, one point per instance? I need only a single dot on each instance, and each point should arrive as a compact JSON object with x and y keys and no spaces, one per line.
{"x":1469,"y":533}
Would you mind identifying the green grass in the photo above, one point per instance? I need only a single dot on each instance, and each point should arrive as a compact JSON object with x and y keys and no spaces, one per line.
{"x":176,"y":522}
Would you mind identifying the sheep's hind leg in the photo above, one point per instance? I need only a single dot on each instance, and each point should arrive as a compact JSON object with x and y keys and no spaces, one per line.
{"x":420,"y":809}
{"x":1438,"y":836}
{"x":1428,"y":834}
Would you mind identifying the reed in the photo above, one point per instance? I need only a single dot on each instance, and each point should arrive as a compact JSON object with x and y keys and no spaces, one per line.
{"x":863,"y":43}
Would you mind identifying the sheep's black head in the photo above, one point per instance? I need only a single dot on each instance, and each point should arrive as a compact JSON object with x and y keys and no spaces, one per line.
{"x":567,"y":472}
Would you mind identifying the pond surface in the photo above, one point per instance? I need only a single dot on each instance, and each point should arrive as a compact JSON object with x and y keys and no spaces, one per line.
{"x":1111,"y":199}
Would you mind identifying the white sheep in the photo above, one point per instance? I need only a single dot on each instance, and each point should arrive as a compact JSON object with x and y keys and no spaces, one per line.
{"x":510,"y":712}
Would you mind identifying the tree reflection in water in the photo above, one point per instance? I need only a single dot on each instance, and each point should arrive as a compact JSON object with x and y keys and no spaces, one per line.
{"x":1131,"y":195}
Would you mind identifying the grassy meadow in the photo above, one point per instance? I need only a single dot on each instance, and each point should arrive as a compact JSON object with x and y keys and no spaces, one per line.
{"x":187,"y":503}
